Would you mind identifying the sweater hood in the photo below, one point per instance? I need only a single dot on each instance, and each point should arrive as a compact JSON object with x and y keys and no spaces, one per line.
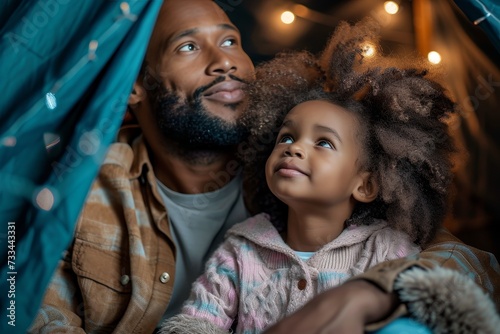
{"x":259,"y":230}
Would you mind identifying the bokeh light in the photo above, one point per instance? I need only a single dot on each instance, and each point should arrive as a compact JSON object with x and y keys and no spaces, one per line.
{"x":368,"y":50}
{"x":391,"y":7}
{"x":9,"y":141}
{"x":287,"y":17}
{"x":44,"y":199}
{"x":434,"y":57}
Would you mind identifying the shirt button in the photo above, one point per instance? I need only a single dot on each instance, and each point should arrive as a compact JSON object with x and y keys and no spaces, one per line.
{"x":124,"y":279}
{"x":164,"y":278}
{"x":302,"y":284}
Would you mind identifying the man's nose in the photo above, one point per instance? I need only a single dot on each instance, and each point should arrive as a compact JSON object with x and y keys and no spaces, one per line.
{"x":220,"y":63}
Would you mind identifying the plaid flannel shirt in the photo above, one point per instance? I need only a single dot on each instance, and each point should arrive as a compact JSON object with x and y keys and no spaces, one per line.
{"x":118,"y":274}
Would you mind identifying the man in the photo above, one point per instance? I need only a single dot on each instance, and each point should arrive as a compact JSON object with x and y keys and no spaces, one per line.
{"x":169,"y":189}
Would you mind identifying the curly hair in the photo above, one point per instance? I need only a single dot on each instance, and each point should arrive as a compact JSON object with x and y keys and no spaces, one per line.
{"x":402,"y":115}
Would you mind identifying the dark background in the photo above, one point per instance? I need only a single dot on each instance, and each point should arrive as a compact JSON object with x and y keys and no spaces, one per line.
{"x":263,"y":34}
{"x":468,"y":55}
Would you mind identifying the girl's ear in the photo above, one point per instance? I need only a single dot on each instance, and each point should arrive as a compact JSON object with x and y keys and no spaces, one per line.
{"x":367,"y":188}
{"x":136,"y":96}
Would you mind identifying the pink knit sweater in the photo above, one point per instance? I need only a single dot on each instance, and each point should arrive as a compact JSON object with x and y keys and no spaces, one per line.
{"x":257,"y":279}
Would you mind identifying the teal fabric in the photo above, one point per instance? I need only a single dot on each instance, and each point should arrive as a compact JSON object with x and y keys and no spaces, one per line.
{"x":66,"y":70}
{"x":403,"y":326}
{"x":485,"y":14}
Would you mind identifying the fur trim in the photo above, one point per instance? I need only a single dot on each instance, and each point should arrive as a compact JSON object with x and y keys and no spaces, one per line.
{"x":447,"y":301}
{"x":182,"y":323}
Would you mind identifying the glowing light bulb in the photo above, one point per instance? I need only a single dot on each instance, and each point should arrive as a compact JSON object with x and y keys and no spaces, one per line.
{"x":287,"y":17}
{"x":391,"y":7}
{"x":368,"y":50}
{"x":434,"y":57}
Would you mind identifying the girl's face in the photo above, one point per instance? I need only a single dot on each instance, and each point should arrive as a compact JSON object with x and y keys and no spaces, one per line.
{"x":315,"y":158}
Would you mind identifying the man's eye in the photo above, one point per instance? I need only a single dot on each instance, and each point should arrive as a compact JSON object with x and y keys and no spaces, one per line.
{"x":325,"y":143}
{"x":187,"y":47}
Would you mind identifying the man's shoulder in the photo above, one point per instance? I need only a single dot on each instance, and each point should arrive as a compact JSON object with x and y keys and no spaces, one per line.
{"x":120,"y":154}
{"x":127,"y":154}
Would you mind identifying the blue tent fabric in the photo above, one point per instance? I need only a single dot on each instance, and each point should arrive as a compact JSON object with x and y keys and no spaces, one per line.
{"x":67,"y":68}
{"x":403,"y":326}
{"x":485,"y":14}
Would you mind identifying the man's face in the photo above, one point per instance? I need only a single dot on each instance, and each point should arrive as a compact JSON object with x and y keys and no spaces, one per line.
{"x":190,"y":124}
{"x":197,"y":71}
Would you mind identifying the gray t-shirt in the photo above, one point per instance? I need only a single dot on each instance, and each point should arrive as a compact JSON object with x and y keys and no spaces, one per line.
{"x":198,"y":223}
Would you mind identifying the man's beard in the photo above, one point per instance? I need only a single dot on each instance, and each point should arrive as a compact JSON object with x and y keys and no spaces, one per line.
{"x":188,"y":124}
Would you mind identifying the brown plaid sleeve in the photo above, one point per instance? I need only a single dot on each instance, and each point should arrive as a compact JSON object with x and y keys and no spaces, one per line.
{"x":444,"y":251}
{"x":59,"y":311}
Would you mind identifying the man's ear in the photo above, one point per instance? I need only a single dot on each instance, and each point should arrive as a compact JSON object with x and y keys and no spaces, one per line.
{"x":367,"y":188}
{"x":137,"y":95}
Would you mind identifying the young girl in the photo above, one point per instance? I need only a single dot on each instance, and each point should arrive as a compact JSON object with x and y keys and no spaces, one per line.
{"x":358,"y":174}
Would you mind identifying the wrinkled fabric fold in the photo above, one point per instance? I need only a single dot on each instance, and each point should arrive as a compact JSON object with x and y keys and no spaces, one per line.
{"x":67,"y":70}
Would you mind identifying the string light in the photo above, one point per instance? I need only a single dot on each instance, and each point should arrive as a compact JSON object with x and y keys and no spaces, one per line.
{"x":368,"y":50}
{"x":287,"y":17}
{"x":125,"y":7}
{"x":10,"y":141}
{"x":50,"y":101}
{"x":434,"y":57}
{"x":92,"y":47}
{"x":391,"y":7}
{"x":44,"y":199}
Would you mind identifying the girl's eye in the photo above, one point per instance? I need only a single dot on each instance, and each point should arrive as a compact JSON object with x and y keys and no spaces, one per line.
{"x":187,"y":47}
{"x":286,"y":140}
{"x":229,"y":42}
{"x":325,"y":143}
